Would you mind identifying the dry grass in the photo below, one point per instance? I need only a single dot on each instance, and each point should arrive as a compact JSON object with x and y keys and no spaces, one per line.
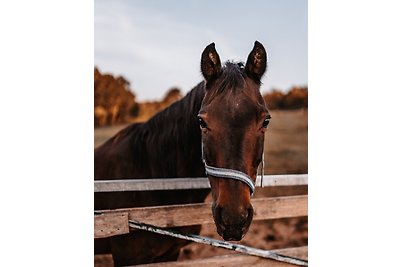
{"x":286,"y":143}
{"x":102,"y":134}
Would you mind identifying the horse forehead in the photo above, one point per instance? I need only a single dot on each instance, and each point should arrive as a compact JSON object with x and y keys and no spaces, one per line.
{"x":238,"y":106}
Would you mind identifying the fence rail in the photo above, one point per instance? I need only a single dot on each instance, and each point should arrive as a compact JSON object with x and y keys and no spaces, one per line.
{"x":189,"y":183}
{"x":114,"y":222}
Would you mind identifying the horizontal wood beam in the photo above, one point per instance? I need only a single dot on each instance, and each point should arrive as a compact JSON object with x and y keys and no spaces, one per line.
{"x":193,"y":214}
{"x":106,"y":225}
{"x":237,"y":260}
{"x":189,"y":183}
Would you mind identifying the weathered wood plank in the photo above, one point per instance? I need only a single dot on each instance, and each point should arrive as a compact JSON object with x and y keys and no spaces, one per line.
{"x":237,"y":260}
{"x":189,"y":183}
{"x":282,"y":180}
{"x":192,"y":214}
{"x":150,"y":184}
{"x":106,"y":225}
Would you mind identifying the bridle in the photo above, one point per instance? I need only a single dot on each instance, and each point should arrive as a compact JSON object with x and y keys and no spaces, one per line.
{"x":230,"y":173}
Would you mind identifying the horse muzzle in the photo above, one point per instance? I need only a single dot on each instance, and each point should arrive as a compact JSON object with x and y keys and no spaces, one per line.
{"x":232,"y":226}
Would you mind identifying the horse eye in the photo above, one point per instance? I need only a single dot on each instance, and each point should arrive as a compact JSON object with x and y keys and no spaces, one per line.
{"x":265,"y":123}
{"x":202,"y":123}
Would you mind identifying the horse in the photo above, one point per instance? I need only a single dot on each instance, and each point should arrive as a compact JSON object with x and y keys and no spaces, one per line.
{"x":216,"y":130}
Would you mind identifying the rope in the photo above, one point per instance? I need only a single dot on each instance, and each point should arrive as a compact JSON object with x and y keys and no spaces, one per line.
{"x":219,"y":243}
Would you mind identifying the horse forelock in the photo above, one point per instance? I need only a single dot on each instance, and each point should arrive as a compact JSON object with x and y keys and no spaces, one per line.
{"x":231,"y":79}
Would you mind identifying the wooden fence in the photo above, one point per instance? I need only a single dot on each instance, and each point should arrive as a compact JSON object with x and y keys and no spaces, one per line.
{"x":115,"y":222}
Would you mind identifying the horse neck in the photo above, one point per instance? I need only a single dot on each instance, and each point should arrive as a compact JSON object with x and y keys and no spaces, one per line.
{"x":173,"y":138}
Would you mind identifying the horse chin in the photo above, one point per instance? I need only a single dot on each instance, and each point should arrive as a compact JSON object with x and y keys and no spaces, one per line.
{"x":232,"y":234}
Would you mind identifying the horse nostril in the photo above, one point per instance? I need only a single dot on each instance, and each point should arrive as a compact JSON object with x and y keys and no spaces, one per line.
{"x":224,"y":217}
{"x":249,"y":213}
{"x":246,"y":216}
{"x":218,"y":214}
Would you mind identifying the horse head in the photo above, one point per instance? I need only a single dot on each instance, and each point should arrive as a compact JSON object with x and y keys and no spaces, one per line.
{"x":233,"y":119}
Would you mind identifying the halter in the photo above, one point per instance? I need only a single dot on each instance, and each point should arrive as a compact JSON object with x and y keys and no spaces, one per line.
{"x":232,"y":174}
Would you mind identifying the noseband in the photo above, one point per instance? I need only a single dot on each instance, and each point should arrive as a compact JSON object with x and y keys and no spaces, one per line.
{"x":231,"y":174}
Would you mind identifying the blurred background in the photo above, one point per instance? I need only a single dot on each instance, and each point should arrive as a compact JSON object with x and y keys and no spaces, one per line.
{"x":147,"y":56}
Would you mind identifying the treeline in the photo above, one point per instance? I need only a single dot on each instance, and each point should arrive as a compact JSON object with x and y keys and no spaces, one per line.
{"x":115,"y":103}
{"x":295,"y":98}
{"x":146,"y":110}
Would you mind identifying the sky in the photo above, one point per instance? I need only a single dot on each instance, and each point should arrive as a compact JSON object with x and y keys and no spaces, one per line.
{"x":157,"y":44}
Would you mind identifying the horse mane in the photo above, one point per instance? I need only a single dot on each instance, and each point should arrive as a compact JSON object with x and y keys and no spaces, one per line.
{"x":171,"y":135}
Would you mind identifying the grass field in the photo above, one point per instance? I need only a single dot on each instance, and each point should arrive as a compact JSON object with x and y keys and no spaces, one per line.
{"x":286,"y":142}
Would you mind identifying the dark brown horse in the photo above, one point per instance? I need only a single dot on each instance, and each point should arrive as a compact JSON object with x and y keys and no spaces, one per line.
{"x":224,"y":118}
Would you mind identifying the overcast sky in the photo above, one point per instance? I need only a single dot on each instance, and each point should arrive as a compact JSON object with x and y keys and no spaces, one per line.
{"x":157,"y":44}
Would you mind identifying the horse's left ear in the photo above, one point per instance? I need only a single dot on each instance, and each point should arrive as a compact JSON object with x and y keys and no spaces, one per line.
{"x":256,"y":62}
{"x":210,"y":62}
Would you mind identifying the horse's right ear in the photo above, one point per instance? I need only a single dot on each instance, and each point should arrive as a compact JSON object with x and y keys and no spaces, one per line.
{"x":210,"y":62}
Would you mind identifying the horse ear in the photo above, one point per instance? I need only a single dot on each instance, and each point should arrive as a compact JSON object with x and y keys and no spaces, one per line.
{"x":256,"y":62}
{"x":210,"y":62}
